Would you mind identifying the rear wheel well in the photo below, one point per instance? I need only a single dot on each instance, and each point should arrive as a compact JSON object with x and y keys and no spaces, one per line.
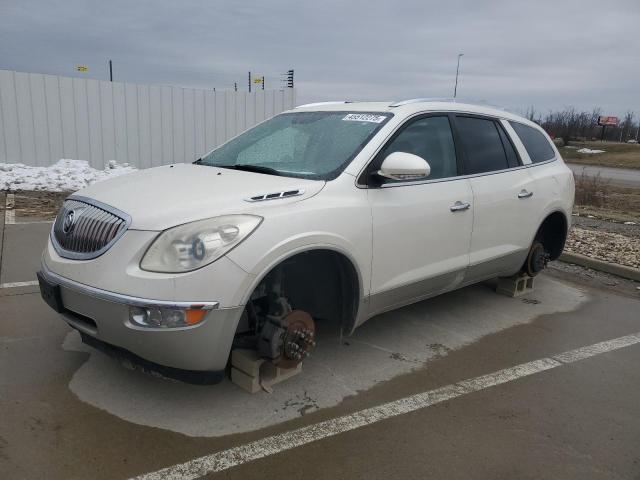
{"x":321,"y":282}
{"x":553,"y":234}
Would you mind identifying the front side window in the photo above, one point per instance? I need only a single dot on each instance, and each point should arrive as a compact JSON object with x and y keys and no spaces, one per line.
{"x":315,"y":145}
{"x":431,"y":139}
{"x":484,"y":149}
{"x":534,"y":142}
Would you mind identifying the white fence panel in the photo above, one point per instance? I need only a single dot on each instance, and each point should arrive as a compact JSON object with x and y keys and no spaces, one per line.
{"x":46,"y":117}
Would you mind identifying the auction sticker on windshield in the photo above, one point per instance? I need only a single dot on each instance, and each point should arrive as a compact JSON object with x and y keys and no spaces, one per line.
{"x":364,"y":117}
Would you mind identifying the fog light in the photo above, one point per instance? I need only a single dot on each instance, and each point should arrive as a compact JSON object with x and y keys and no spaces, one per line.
{"x":157,"y":317}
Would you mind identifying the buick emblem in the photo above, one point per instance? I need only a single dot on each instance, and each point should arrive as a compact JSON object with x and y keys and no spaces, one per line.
{"x":69,"y":221}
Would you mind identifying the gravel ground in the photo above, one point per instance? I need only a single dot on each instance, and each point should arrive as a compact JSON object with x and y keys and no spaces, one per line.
{"x":605,"y":245}
{"x":630,"y":229}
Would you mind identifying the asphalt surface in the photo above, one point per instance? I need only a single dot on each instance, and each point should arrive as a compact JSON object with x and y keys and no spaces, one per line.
{"x":624,"y":177}
{"x":579,"y":420}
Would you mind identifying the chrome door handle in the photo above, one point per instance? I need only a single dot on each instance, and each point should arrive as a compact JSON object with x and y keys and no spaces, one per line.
{"x":525,"y":194}
{"x":459,"y":206}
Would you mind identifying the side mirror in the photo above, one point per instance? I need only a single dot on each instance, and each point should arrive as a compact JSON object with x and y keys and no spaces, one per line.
{"x":404,"y":166}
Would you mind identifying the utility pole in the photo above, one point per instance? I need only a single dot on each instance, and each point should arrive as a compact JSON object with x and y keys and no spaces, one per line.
{"x":249,"y":82}
{"x":455,"y":89}
{"x":263,"y":82}
{"x":235,"y":86}
{"x":110,"y":70}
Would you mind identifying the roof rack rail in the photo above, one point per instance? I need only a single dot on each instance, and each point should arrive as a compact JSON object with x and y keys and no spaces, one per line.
{"x":318,"y":104}
{"x":419,"y":100}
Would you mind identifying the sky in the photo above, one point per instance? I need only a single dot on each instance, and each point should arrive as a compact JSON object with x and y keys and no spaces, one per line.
{"x":517,"y":54}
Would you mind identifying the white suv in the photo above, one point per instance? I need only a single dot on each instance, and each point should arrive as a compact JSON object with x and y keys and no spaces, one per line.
{"x":328,"y":212}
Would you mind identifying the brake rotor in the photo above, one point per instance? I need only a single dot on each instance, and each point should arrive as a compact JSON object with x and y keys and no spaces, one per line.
{"x":537,"y":259}
{"x":298,"y":339}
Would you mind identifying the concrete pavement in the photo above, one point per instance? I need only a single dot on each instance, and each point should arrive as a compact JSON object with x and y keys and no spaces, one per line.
{"x":70,"y":412}
{"x":625,"y":177}
{"x":21,"y":243}
{"x":22,"y":248}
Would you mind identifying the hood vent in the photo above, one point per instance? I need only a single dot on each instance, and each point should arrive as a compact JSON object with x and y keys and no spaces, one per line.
{"x":275,"y":195}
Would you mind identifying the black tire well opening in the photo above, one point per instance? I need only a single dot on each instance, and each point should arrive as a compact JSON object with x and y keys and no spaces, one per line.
{"x":323,"y":283}
{"x":553,"y":234}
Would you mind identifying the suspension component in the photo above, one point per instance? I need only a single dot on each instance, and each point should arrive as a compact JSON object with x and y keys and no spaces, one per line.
{"x":287,"y":340}
{"x":537,"y":259}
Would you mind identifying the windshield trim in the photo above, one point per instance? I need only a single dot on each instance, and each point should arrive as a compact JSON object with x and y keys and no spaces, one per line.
{"x":332,"y":175}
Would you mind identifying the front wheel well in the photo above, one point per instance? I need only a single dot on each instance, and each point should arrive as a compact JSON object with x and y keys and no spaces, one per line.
{"x":553,"y":234}
{"x":321,"y":282}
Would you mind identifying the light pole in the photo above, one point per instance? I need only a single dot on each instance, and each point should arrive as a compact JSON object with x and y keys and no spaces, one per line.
{"x":455,"y":89}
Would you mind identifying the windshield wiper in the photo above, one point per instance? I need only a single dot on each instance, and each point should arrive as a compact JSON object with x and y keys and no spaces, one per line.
{"x":251,"y":168}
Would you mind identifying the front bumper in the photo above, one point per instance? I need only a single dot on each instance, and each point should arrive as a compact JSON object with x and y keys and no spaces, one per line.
{"x":104,"y":315}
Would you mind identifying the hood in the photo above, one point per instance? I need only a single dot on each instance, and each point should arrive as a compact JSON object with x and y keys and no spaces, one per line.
{"x":162,"y":197}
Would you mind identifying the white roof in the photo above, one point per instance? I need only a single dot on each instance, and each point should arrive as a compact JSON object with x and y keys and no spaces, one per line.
{"x":411,"y":107}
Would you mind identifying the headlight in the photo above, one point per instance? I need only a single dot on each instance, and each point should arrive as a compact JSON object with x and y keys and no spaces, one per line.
{"x":193,"y":245}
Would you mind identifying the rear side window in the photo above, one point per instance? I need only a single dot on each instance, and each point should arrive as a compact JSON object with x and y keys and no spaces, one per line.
{"x":535,"y":142}
{"x":484,"y":150}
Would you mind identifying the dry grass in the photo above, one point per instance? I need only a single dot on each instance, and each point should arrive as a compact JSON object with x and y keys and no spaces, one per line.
{"x":591,"y":191}
{"x":38,"y":205}
{"x":622,"y":155}
{"x":595,"y":196}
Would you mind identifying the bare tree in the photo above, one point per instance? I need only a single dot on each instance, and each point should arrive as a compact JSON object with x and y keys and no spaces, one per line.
{"x":626,"y":126}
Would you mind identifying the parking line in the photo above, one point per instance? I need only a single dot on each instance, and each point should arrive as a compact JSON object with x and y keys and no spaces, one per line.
{"x":232,"y":457}
{"x":9,"y":213}
{"x":18,"y":284}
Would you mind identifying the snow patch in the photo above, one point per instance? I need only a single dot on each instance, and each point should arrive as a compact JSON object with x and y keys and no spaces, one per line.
{"x":64,"y":175}
{"x":589,"y":151}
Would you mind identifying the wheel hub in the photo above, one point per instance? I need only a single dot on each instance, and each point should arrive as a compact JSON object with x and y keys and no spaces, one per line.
{"x":537,"y":260}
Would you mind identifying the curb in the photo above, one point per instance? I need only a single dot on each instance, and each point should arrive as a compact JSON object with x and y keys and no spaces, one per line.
{"x":613,"y":268}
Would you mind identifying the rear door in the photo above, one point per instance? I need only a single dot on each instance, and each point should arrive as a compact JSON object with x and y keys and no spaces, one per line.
{"x":552,"y":178}
{"x":502,"y":191}
{"x":421,"y":229}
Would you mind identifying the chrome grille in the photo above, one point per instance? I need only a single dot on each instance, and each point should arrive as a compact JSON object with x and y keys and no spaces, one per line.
{"x":85,"y":228}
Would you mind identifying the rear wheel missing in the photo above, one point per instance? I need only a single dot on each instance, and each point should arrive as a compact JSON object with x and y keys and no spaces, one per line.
{"x":537,"y":259}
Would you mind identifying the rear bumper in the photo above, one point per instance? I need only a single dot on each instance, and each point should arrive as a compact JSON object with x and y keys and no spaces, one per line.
{"x":104,"y":316}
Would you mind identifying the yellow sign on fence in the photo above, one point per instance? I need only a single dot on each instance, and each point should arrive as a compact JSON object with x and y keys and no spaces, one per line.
{"x":82,"y":68}
{"x":258,"y":80}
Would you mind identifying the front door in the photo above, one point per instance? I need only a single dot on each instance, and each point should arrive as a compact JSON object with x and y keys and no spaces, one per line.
{"x":421,"y":229}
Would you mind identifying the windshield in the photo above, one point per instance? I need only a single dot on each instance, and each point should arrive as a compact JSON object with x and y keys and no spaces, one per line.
{"x":315,"y":145}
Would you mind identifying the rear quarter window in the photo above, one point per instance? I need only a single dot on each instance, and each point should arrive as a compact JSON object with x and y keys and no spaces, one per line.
{"x":534,"y":142}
